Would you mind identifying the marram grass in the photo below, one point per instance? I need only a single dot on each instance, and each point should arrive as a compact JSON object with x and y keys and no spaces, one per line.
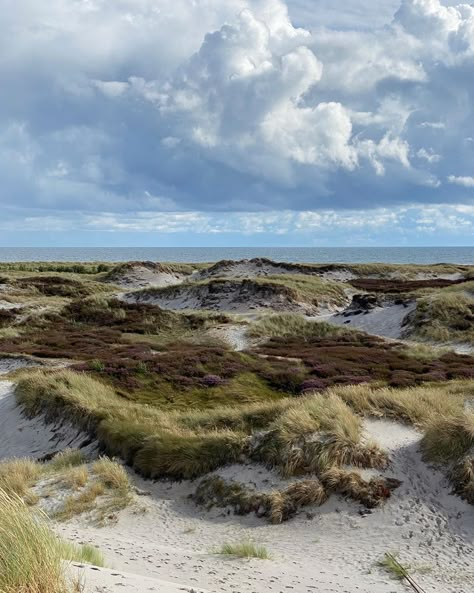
{"x":31,"y":555}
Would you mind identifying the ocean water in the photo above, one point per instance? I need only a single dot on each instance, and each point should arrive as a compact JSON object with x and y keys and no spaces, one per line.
{"x":402,"y":255}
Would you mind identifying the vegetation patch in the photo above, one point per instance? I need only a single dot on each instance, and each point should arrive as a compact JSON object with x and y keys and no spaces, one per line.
{"x":445,"y":316}
{"x":31,"y":555}
{"x":419,"y":406}
{"x":351,"y":358}
{"x":281,"y":505}
{"x":285,"y":325}
{"x":313,"y":435}
{"x":245,"y":549}
{"x":394,"y":286}
{"x":186,"y":444}
{"x":59,"y":286}
{"x":61,"y":267}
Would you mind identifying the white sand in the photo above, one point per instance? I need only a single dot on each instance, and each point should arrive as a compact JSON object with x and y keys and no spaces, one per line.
{"x":24,"y":437}
{"x":233,"y":335}
{"x":230,"y":297}
{"x":380,"y":321}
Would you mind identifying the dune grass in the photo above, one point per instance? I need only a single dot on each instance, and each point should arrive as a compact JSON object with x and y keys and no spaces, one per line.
{"x":313,"y":434}
{"x":189,"y":444}
{"x":416,"y":405}
{"x":445,"y":316}
{"x":67,"y":459}
{"x":100,"y":488}
{"x":291,"y":324}
{"x":85,"y":553}
{"x":17,"y":476}
{"x":308,"y":435}
{"x":31,"y":555}
{"x":449,"y":438}
{"x":244,"y":549}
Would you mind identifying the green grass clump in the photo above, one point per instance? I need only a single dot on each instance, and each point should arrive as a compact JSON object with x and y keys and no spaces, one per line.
{"x":285,"y":325}
{"x":111,"y":473}
{"x":66,"y":459}
{"x":392,"y":565}
{"x":245,"y":549}
{"x":313,"y":434}
{"x":85,"y":553}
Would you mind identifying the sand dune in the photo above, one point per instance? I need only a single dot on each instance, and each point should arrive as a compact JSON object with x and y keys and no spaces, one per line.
{"x":165,"y":543}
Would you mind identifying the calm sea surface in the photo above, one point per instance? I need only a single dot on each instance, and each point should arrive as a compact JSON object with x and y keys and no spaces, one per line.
{"x":419,"y":255}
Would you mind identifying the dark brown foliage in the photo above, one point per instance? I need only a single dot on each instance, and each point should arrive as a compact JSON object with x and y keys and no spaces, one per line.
{"x":55,"y":286}
{"x":348,"y":360}
{"x":390,"y":286}
{"x":7,"y":316}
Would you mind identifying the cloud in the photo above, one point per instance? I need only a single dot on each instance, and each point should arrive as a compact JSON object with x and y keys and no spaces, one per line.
{"x":237,"y":106}
{"x":464,"y":181}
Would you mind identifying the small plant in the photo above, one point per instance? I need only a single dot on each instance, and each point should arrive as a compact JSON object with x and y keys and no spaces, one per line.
{"x":245,"y":549}
{"x":97,"y":365}
{"x":85,"y":553}
{"x":111,"y":473}
{"x":66,"y":459}
{"x":75,"y":477}
{"x":85,"y":501}
{"x":391,"y":564}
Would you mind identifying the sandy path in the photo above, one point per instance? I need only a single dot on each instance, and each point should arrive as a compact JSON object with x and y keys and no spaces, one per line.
{"x":233,"y":335}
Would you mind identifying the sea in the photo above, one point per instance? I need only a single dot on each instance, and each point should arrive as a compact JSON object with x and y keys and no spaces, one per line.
{"x":400,"y":255}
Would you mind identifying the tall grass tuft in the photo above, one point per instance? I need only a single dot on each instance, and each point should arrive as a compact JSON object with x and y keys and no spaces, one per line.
{"x":17,"y":476}
{"x":31,"y":556}
{"x":245,"y":549}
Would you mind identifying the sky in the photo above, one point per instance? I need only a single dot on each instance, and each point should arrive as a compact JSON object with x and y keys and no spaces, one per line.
{"x":236,"y":122}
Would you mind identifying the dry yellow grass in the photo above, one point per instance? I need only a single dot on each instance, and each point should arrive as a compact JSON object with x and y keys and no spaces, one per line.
{"x":75,"y":477}
{"x":417,"y":405}
{"x":111,"y":473}
{"x":85,"y":501}
{"x":30,"y":554}
{"x":17,"y":476}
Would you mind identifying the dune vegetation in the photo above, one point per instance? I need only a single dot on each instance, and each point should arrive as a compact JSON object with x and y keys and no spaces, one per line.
{"x":445,"y":316}
{"x":32,"y":558}
{"x":100,"y":488}
{"x":310,"y":435}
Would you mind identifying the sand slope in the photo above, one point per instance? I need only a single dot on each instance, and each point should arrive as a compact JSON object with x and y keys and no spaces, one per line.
{"x":25,"y":437}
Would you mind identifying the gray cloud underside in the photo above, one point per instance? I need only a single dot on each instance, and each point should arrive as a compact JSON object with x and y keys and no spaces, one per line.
{"x":168,"y":106}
